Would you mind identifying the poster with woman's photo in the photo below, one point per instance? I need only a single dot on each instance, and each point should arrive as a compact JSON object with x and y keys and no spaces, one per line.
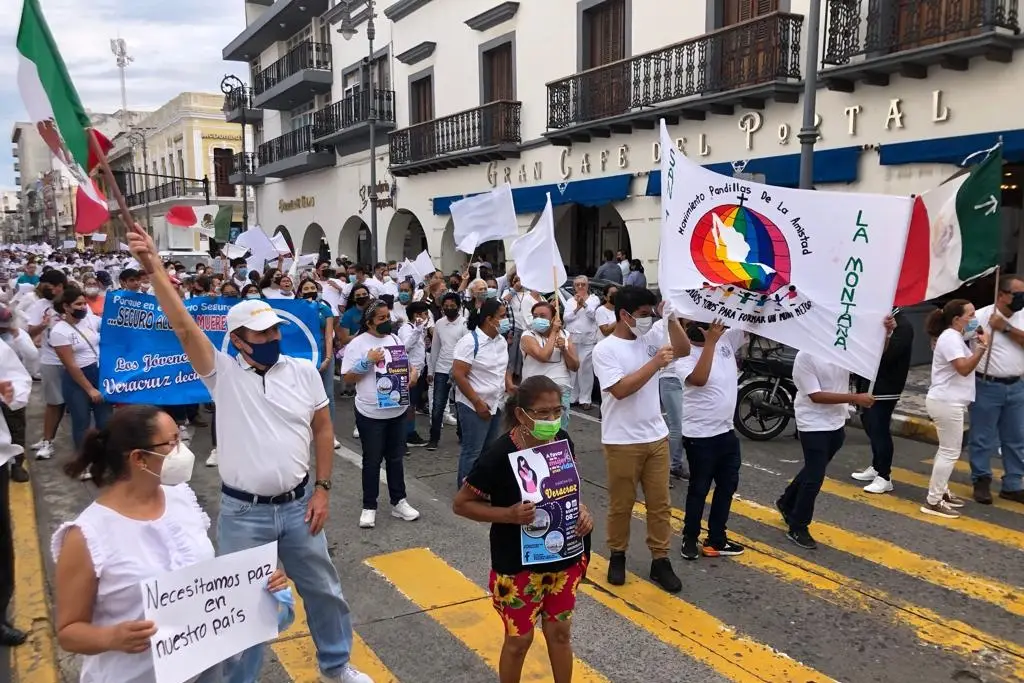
{"x":392,"y":373}
{"x":547,"y":476}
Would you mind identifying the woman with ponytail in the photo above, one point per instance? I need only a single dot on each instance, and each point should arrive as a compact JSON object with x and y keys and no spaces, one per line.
{"x":144,"y":522}
{"x":950,"y":393}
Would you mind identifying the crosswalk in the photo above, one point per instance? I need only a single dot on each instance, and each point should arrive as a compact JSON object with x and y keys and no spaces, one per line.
{"x":461,"y":607}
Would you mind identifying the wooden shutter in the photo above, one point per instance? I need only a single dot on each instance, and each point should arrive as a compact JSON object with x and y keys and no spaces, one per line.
{"x":606,"y":33}
{"x":498,"y":74}
{"x":742,"y":10}
{"x":221,"y":171}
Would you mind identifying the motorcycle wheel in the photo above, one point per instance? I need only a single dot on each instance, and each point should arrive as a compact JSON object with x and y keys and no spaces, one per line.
{"x":751,"y":420}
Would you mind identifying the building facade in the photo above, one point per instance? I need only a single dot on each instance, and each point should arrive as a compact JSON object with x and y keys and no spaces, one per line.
{"x":565,"y":97}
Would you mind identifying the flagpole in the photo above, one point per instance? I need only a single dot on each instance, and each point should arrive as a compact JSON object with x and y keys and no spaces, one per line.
{"x":995,"y":311}
{"x":108,"y":175}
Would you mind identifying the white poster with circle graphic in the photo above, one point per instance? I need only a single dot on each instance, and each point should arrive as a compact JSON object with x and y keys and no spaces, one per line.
{"x":547,"y":476}
{"x":813,"y":270}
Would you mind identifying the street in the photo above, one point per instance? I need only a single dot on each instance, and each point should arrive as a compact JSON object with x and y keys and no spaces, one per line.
{"x":891,"y":595}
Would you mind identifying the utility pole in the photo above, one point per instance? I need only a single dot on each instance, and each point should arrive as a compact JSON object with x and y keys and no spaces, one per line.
{"x":119,"y":48}
{"x":808,"y":134}
{"x":236,"y":94}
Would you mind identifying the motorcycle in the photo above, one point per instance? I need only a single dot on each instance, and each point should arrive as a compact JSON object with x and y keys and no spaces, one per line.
{"x":764,"y":404}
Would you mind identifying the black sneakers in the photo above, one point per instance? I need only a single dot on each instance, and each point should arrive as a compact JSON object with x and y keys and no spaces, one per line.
{"x":415,"y":439}
{"x":727,"y":549}
{"x":803,"y":538}
{"x":18,"y":473}
{"x":782,"y":511}
{"x":662,"y":574}
{"x":689,"y":550}
{"x":617,"y":568}
{"x":431,"y":445}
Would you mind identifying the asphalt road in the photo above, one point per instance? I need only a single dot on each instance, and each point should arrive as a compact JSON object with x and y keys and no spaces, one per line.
{"x":890,"y":596}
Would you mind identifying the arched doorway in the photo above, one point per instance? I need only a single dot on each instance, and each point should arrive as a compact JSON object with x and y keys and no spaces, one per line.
{"x":583,"y":233}
{"x":354,"y":241}
{"x":281,"y":230}
{"x":314,"y":240}
{"x":406,"y":238}
{"x":451,"y":258}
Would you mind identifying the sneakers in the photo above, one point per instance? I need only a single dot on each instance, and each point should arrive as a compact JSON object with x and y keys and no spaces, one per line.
{"x":879,"y":485}
{"x":183,"y":435}
{"x":355,"y":432}
{"x":689,"y":550}
{"x":431,"y":445}
{"x":803,"y":538}
{"x":952,"y":501}
{"x":349,"y":674}
{"x":940,"y":509}
{"x":662,"y":574}
{"x":679,"y":473}
{"x":870,"y":474}
{"x":617,"y":568}
{"x":450,"y":420}
{"x":367,"y":519}
{"x":212,"y":460}
{"x":45,"y":451}
{"x":727,"y":549}
{"x":337,"y":444}
{"x":1015,"y":496}
{"x":982,"y":490}
{"x":405,"y":511}
{"x":782,"y":511}
{"x":38,"y":444}
{"x":18,"y":473}
{"x":415,"y":439}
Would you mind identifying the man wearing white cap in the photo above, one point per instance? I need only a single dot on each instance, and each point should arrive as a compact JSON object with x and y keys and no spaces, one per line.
{"x":270,"y":410}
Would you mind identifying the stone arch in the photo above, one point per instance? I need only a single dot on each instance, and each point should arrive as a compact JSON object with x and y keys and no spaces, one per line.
{"x":314,"y":240}
{"x":355,"y":241}
{"x":583,"y":233}
{"x":451,"y":258}
{"x":405,"y":238}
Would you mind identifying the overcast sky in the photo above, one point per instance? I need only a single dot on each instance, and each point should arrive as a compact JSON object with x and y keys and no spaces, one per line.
{"x":176,"y":45}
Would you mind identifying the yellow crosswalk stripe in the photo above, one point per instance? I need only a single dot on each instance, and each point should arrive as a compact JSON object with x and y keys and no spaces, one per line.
{"x":897,"y":558}
{"x":968,"y":525}
{"x":693,"y":631}
{"x":849,"y":594}
{"x":964,"y":467}
{"x":902,"y":476}
{"x":295,"y":650}
{"x":464,"y":610}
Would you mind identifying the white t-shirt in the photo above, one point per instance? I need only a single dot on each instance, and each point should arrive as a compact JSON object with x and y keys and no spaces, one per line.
{"x":637,"y":418}
{"x":487,"y":371}
{"x":1006,"y":358}
{"x":554,"y":368}
{"x":34,"y":317}
{"x":447,"y":334}
{"x":948,"y":385}
{"x":710,"y":409}
{"x":812,"y":375}
{"x":265,"y":424}
{"x":366,"y":387}
{"x":83,"y":338}
{"x":604,"y":316}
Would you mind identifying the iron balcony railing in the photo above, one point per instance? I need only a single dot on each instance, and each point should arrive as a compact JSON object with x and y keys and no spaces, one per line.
{"x":294,"y":143}
{"x":874,"y":28}
{"x":174,"y":189}
{"x":495,"y":123}
{"x":303,"y":56}
{"x":246,"y":161}
{"x":352,"y":110}
{"x":752,"y":52}
{"x":239,"y":98}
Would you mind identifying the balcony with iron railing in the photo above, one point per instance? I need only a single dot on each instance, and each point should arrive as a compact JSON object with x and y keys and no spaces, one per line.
{"x":278,"y":22}
{"x":168,"y":190}
{"x":747,"y":63}
{"x":293,"y":153}
{"x":347,"y":120}
{"x":246,"y":162}
{"x":297,"y":77}
{"x":487,"y":133}
{"x":239,"y":106}
{"x":867,"y":40}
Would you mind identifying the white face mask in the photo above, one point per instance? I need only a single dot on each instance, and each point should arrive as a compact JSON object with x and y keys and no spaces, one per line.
{"x":177,"y":467}
{"x":642,"y":325}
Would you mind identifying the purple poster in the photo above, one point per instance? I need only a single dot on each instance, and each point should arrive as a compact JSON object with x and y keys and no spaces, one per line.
{"x":547,"y":476}
{"x":392,"y":373}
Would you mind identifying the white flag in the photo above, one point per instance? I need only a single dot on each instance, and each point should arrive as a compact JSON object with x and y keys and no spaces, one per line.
{"x":813,"y":270}
{"x":281,"y":244}
{"x":263,"y":250}
{"x":424,"y":266}
{"x":233,"y":251}
{"x":484,"y":217}
{"x":538,"y":262}
{"x":407,"y":269}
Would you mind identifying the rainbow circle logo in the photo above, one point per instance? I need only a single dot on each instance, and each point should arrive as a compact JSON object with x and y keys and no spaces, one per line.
{"x":734,"y":245}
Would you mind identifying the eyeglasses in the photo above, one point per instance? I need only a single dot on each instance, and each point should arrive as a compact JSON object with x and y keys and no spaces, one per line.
{"x":173,"y":443}
{"x":544,"y":413}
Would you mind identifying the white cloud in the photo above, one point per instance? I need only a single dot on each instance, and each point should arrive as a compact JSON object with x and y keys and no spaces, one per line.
{"x":176,"y":45}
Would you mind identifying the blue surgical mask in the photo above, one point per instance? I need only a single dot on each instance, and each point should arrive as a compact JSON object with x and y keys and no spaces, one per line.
{"x":504,"y":326}
{"x":492,"y":293}
{"x":404,"y":297}
{"x":242,"y":272}
{"x":540,"y":325}
{"x":971,"y":328}
{"x":252,"y":296}
{"x":351,"y":278}
{"x":267,"y":353}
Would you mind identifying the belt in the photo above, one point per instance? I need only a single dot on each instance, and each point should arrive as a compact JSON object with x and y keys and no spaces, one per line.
{"x":280,"y":499}
{"x":999,"y":380}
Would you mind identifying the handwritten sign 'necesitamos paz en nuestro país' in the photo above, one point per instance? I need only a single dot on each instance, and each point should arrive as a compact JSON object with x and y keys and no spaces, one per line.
{"x":210,"y":611}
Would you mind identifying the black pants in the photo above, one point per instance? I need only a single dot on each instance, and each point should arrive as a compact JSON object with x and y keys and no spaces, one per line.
{"x":876,"y":420}
{"x":798,"y":499}
{"x":17,"y":424}
{"x":383,"y":441}
{"x":714,"y":459}
{"x":6,"y":544}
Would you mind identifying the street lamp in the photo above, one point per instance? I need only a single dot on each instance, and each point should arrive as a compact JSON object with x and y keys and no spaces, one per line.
{"x":347,"y":31}
{"x":234,"y":94}
{"x":138,"y":137}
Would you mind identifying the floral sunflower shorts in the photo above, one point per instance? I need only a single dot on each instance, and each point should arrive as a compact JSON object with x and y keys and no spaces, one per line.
{"x":521,"y":598}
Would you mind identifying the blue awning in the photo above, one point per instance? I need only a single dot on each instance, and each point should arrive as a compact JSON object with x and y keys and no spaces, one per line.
{"x":830,"y":166}
{"x":589,"y":192}
{"x":952,"y":150}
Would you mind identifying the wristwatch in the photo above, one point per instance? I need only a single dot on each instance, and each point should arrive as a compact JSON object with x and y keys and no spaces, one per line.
{"x":325,"y":484}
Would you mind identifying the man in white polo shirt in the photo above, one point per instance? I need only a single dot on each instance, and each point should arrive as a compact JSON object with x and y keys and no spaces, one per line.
{"x":270,"y":410}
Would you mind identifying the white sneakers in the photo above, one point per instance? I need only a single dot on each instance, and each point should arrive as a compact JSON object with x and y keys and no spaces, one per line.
{"x":355,"y":432}
{"x":347,"y":675}
{"x":450,"y":420}
{"x":867,"y":475}
{"x":212,"y":460}
{"x":367,"y":519}
{"x":337,"y":444}
{"x":879,"y":485}
{"x":184,"y":435}
{"x":45,"y":450}
{"x":404,"y":511}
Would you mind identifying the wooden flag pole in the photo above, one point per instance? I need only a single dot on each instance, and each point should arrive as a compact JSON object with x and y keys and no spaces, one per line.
{"x":112,"y":187}
{"x":995,"y":311}
{"x":554,"y":277}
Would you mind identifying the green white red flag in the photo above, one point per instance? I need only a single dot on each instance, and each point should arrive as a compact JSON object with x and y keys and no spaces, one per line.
{"x":54,"y":107}
{"x":955,"y":233}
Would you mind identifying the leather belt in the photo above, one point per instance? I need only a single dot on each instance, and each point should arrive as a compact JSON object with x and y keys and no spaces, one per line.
{"x":279,"y":499}
{"x":999,"y":380}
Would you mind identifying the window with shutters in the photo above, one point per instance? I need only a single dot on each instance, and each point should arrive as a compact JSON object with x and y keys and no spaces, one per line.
{"x":748,"y":52}
{"x":499,"y":74}
{"x":421,"y":100}
{"x":221,"y":171}
{"x":741,"y":10}
{"x":605,"y":91}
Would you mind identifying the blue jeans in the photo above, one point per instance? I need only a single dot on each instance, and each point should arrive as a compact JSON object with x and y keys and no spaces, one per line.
{"x":81,"y":407}
{"x":671,"y":390}
{"x":327,"y":375}
{"x":442,"y":387}
{"x":997,"y":421}
{"x":382,"y":441}
{"x":566,"y":403}
{"x":242,"y":525}
{"x":476,"y":434}
{"x":414,"y":402}
{"x":713,"y":460}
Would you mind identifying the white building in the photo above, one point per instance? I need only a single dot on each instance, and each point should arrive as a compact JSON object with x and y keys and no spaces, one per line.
{"x":564,"y":97}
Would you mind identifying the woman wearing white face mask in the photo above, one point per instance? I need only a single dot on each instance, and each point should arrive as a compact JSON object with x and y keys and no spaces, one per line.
{"x":94,"y":296}
{"x":547,"y":350}
{"x":144,"y":522}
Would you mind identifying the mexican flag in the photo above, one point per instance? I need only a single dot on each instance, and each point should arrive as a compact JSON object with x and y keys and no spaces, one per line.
{"x":53,"y":106}
{"x":955,"y":233}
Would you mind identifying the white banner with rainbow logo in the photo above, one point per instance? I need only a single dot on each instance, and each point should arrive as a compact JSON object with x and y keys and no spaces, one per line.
{"x":813,"y":270}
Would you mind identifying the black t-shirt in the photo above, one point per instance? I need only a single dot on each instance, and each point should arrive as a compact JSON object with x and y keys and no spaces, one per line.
{"x":492,"y":477}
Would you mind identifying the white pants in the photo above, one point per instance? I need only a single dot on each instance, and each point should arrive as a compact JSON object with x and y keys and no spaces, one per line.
{"x":949,"y":424}
{"x":583,"y":378}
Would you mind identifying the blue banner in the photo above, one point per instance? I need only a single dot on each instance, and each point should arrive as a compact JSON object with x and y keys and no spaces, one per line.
{"x":141,"y":359}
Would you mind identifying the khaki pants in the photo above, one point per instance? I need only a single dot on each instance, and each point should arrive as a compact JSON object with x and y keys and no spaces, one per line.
{"x":646,"y":464}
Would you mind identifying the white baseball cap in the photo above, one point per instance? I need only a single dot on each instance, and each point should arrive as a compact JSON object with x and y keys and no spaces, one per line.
{"x":253,"y":314}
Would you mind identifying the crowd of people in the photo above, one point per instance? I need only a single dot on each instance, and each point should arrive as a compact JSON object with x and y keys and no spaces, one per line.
{"x":494,"y":365}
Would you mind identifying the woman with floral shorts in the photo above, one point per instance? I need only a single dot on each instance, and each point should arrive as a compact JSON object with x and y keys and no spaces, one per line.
{"x":522,"y":595}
